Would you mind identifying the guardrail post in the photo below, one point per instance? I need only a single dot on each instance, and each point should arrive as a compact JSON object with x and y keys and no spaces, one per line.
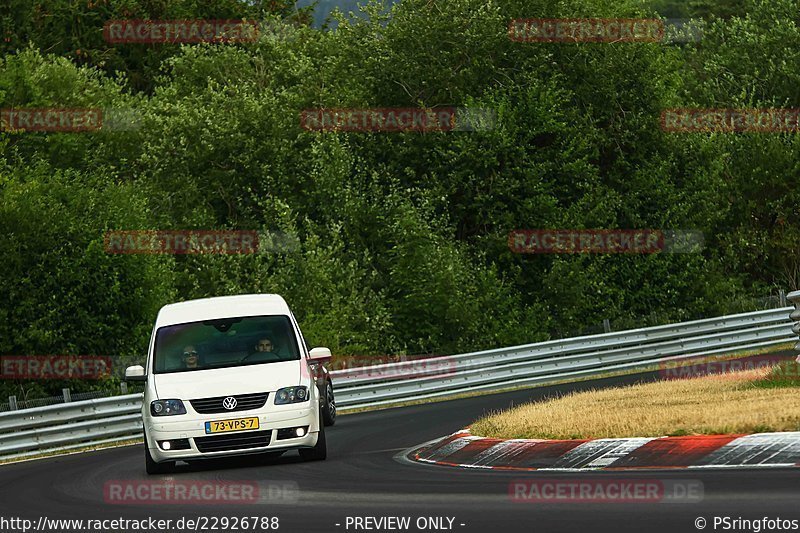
{"x":123,"y":387}
{"x":794,"y":297}
{"x":12,"y":403}
{"x":782,"y":297}
{"x":67,"y":396}
{"x":606,"y":325}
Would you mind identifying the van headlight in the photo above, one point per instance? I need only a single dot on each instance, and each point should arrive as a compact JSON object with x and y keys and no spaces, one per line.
{"x":167,"y":408}
{"x":291,"y":395}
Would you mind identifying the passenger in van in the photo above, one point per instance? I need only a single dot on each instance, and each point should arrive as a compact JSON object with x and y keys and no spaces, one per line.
{"x":190,"y":358}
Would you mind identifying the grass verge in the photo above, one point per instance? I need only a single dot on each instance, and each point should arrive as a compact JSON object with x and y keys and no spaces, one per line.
{"x":752,"y":401}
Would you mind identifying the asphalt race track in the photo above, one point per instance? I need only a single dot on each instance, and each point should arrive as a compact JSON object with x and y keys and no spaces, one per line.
{"x":362,"y":478}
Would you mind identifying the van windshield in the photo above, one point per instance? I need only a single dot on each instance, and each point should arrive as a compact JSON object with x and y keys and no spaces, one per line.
{"x":222,"y":343}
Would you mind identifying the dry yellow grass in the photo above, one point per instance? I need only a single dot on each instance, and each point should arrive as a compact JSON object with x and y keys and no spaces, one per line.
{"x":726,"y":403}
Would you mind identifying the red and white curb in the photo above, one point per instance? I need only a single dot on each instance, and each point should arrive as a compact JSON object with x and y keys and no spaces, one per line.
{"x":463,"y":449}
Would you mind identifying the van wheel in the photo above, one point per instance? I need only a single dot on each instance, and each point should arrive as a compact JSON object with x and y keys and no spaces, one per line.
{"x":318,"y":452}
{"x":154,"y":468}
{"x":329,"y":406}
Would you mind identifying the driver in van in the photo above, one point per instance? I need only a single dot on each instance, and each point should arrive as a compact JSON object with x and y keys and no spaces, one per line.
{"x":265,"y":345}
{"x":263,"y":350}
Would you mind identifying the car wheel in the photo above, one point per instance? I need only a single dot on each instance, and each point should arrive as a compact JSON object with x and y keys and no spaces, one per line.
{"x":329,"y":406}
{"x":318,"y":452}
{"x":153,"y":467}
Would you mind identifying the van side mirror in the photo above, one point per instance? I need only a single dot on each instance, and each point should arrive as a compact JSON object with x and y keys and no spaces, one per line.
{"x":319,"y":355}
{"x":135,"y":373}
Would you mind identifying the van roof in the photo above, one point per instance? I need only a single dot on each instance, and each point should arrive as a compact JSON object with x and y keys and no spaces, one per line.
{"x":222,"y":307}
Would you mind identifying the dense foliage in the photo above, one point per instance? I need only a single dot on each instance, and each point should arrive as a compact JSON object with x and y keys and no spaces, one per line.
{"x":401,"y":237}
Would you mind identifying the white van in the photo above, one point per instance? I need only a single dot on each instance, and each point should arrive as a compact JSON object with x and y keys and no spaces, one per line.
{"x":229,"y":376}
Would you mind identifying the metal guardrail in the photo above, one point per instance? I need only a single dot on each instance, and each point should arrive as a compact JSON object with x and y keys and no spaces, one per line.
{"x":78,"y":424}
{"x":561,"y":360}
{"x":70,"y":425}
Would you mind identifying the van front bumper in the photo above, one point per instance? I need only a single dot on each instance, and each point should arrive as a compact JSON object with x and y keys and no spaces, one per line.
{"x":192,"y":428}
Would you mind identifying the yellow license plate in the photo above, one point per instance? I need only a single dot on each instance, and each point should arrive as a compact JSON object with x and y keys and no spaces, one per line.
{"x":234,"y":424}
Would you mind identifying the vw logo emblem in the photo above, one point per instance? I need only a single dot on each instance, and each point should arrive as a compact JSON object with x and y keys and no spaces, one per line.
{"x":229,"y":403}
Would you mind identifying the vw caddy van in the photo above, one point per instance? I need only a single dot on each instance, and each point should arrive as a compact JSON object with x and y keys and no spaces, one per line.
{"x":232,"y":375}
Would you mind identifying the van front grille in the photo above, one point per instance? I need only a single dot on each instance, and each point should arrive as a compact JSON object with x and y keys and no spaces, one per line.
{"x":244,"y":402}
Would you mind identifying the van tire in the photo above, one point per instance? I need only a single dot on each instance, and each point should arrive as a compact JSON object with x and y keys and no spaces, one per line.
{"x":154,"y":468}
{"x":319,"y":452}
{"x":328,"y":406}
